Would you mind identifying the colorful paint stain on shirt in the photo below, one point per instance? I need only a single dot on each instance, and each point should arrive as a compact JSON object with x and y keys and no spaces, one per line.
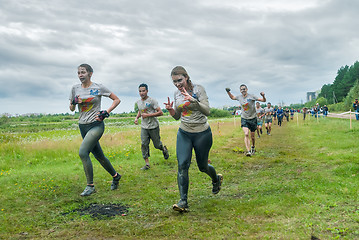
{"x":185,"y":110}
{"x":246,"y":107}
{"x":86,"y":104}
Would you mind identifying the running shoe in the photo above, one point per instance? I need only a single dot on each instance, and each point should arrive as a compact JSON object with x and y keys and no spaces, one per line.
{"x":115,"y":181}
{"x":248,"y":154}
{"x":181,"y":206}
{"x":165,"y":152}
{"x":253,"y":150}
{"x":146,"y":167}
{"x":88,"y":191}
{"x":217,"y":185}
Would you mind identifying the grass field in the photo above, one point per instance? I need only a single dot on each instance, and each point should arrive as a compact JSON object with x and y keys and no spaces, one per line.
{"x":301,"y":184}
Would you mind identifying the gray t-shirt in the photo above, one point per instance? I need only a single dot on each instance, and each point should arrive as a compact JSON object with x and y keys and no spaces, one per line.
{"x":248,"y":105}
{"x":192,"y":114}
{"x":259,"y":111}
{"x":148,"y":106}
{"x":268,"y":112}
{"x":91,"y":100}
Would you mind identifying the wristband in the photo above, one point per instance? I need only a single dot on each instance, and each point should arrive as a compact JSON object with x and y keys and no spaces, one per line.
{"x":75,"y":100}
{"x":103,"y":114}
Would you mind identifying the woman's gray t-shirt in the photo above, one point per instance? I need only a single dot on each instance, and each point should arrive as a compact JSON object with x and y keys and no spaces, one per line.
{"x":91,"y":100}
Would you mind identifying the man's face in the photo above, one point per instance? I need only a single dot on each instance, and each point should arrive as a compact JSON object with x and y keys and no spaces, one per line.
{"x":243,"y":90}
{"x":143,"y":92}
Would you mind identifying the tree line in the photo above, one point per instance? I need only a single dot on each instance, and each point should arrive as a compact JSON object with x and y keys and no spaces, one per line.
{"x":340,"y":95}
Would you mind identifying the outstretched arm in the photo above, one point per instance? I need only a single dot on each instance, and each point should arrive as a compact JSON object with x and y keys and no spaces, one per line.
{"x":231,"y":96}
{"x":263,"y":99}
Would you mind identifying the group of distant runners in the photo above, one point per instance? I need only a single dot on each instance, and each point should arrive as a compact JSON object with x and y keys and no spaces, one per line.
{"x":190,"y":105}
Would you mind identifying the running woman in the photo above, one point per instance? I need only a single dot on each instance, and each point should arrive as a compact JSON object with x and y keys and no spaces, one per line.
{"x":260,"y":116}
{"x":149,"y":110}
{"x":192,"y":107}
{"x":248,"y":117}
{"x":87,"y":95}
{"x":268,"y":111}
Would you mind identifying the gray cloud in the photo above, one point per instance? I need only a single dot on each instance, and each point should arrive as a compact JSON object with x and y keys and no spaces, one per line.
{"x":282,"y":48}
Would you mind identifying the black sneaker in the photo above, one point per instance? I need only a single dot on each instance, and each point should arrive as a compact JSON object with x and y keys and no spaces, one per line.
{"x":88,"y":191}
{"x":146,"y":167}
{"x":253,"y":150}
{"x":217,"y":185}
{"x":181,"y":206}
{"x":165,"y":152}
{"x":248,"y":154}
{"x":114,"y":184}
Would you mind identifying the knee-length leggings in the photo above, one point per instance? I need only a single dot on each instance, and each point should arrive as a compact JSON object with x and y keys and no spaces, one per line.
{"x":91,"y":134}
{"x":201,"y":143}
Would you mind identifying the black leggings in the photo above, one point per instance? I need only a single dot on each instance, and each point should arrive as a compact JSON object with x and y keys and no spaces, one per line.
{"x":201,"y":143}
{"x":91,"y":134}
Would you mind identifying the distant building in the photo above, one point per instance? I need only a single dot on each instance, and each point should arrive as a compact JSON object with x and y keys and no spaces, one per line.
{"x":311,"y":96}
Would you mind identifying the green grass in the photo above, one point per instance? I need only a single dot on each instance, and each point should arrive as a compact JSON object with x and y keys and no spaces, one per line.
{"x":302,"y":182}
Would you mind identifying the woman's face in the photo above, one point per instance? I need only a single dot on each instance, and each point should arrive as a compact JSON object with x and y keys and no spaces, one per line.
{"x":83,"y":74}
{"x":179,"y":81}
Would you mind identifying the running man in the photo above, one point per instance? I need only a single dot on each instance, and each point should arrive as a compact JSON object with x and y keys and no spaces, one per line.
{"x":248,"y":117}
{"x":149,"y":110}
{"x":268,"y":111}
{"x":286,"y":114}
{"x":280,"y":114}
{"x":260,"y":115}
{"x":291,"y":113}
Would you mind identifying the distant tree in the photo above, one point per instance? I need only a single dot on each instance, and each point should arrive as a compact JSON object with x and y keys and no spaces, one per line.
{"x":136,"y":108}
{"x":352,"y":95}
{"x":327,"y":92}
{"x":4,"y":119}
{"x":322,"y":101}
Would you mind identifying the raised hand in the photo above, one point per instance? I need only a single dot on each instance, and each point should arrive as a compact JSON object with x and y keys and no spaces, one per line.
{"x":186,"y":94}
{"x":169,"y":104}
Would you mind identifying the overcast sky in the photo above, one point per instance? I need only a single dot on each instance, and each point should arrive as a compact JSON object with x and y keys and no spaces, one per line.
{"x":283,"y":48}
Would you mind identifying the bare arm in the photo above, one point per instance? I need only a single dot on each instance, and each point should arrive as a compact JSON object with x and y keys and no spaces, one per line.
{"x":231,"y":96}
{"x":115,"y":102}
{"x":155,"y":114}
{"x":137,"y":117}
{"x":263,"y":99}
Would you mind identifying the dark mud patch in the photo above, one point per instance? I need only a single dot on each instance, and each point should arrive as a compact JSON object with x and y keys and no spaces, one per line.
{"x":101,"y":210}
